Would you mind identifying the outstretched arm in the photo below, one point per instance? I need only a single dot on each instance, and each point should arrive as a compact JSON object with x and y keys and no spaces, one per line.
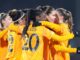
{"x":53,"y":26}
{"x":59,"y":38}
{"x":53,"y":36}
{"x":65,"y":49}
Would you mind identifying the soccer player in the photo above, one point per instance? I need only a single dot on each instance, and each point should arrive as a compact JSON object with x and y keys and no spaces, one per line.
{"x":14,"y":35}
{"x":5,"y":21}
{"x":63,"y":26}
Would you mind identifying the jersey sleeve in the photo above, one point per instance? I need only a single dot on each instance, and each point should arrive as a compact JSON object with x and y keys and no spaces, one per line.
{"x":59,"y":38}
{"x":61,"y":48}
{"x":58,"y":28}
{"x":2,"y":33}
{"x":15,"y":28}
{"x":55,"y":37}
{"x":47,"y":33}
{"x":53,"y":26}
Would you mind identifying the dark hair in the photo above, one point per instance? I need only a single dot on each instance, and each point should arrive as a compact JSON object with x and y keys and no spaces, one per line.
{"x":2,"y":16}
{"x":46,"y":9}
{"x":25,"y":10}
{"x":15,"y":14}
{"x":31,"y":16}
{"x":67,"y":17}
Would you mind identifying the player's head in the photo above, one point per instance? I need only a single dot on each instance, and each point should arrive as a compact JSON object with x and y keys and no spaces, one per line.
{"x":48,"y":12}
{"x":16,"y":15}
{"x":31,"y":16}
{"x":65,"y":16}
{"x":5,"y":19}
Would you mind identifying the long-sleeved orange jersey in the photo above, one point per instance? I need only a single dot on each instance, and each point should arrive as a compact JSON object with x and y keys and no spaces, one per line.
{"x":3,"y":44}
{"x":44,"y":36}
{"x":14,"y":46}
{"x":60,"y":29}
{"x":14,"y":31}
{"x":14,"y":42}
{"x":37,"y":44}
{"x":39,"y":48}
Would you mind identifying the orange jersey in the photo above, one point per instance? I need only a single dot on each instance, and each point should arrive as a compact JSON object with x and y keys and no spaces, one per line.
{"x":15,"y":31}
{"x":37,"y":44}
{"x":60,"y":29}
{"x":14,"y":46}
{"x":3,"y":44}
{"x":14,"y":42}
{"x":44,"y":36}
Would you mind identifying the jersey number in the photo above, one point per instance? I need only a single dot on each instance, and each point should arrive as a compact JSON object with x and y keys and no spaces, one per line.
{"x":29,"y":41}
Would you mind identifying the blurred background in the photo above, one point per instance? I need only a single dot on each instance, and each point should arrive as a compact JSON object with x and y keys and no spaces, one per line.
{"x":72,"y":5}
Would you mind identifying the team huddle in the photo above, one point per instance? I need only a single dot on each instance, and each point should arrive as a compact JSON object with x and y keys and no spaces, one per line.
{"x":42,"y":33}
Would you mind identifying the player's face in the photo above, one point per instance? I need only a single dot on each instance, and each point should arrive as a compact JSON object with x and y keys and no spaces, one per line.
{"x":60,"y":17}
{"x":7,"y":21}
{"x":22,"y":21}
{"x":52,"y":17}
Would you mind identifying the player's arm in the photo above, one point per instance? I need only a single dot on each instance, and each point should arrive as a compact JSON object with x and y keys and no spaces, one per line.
{"x":61,"y":48}
{"x":3,"y":32}
{"x":15,"y":28}
{"x":53,"y":36}
{"x":53,"y":26}
{"x":59,"y":38}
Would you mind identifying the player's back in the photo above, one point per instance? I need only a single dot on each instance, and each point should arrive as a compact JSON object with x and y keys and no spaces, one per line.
{"x":37,"y":44}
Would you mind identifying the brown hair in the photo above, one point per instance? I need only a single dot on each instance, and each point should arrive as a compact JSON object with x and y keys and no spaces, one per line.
{"x":67,"y":17}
